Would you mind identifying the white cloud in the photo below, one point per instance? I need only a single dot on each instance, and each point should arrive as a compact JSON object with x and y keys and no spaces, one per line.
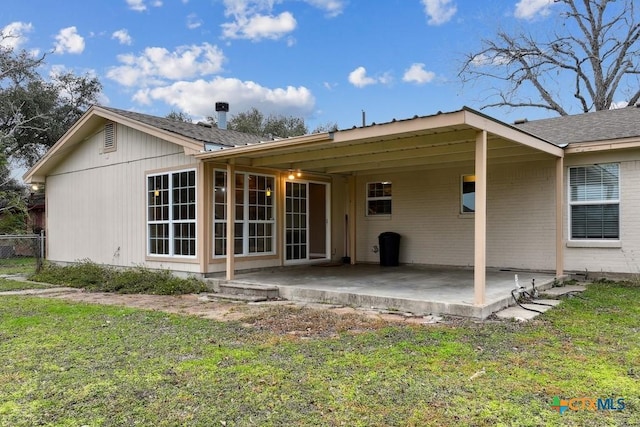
{"x":198,"y":97}
{"x":258,"y":27}
{"x":439,"y":11}
{"x":122,"y":36}
{"x":137,"y":5}
{"x":69,"y":41}
{"x":530,"y":9}
{"x":14,"y":35}
{"x":618,"y":104}
{"x":332,"y":7}
{"x":417,"y":74}
{"x":193,"y":21}
{"x":140,"y":6}
{"x":255,"y":19}
{"x":359,"y":78}
{"x":156,"y":65}
{"x":485,"y":60}
{"x":329,"y":86}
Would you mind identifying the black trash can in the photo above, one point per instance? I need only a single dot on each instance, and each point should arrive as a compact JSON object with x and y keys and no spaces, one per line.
{"x":389,"y":243}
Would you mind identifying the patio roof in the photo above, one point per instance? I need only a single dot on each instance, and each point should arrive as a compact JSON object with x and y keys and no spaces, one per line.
{"x":440,"y":140}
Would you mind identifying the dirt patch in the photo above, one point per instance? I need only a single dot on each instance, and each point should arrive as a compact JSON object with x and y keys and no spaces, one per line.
{"x":279,"y":317}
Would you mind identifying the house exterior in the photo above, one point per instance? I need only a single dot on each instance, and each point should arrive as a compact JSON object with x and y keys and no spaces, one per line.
{"x":461,"y":188}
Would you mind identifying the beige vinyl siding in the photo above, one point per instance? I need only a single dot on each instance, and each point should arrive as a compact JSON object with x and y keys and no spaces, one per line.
{"x":426,"y":213}
{"x":625,"y":256}
{"x":96,"y":201}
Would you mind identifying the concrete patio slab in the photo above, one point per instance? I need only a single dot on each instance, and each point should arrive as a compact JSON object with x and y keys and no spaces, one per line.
{"x":417,"y":289}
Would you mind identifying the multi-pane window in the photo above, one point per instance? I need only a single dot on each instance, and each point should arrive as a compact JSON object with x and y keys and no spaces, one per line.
{"x":254,"y":222}
{"x":468,"y":194}
{"x":171,"y":213}
{"x":594,"y":200}
{"x":378,"y":198}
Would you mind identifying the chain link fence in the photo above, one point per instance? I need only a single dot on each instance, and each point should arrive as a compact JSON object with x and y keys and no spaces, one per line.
{"x":23,"y":247}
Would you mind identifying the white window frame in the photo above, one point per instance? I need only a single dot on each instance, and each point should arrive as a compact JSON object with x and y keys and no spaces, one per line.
{"x":369,"y":198}
{"x":171,"y":221}
{"x":245,"y":222}
{"x":592,"y":202}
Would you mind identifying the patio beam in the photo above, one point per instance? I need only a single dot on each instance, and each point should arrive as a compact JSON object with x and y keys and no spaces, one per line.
{"x":351,"y":149}
{"x":559,"y":217}
{"x":480,"y":218}
{"x":230,"y":191}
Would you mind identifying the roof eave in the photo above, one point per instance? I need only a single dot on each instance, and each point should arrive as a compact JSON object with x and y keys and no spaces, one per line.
{"x":241,"y":150}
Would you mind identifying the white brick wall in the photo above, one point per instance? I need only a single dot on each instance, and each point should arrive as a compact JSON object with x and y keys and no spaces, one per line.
{"x":626,"y":258}
{"x":426,"y":212}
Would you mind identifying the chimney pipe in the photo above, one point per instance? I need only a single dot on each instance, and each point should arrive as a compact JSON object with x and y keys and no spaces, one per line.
{"x":222,"y":108}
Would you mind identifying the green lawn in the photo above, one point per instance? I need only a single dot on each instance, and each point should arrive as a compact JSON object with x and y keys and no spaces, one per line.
{"x":17,"y":285}
{"x":18,"y":265}
{"x":75,"y":364}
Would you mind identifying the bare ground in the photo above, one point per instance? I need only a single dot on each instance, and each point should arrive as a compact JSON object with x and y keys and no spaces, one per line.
{"x":280,"y":317}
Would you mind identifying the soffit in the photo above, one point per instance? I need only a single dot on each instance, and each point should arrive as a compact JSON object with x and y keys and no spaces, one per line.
{"x":420,"y":143}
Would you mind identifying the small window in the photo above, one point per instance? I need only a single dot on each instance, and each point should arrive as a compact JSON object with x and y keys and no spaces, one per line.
{"x":109,"y":143}
{"x":468,"y":194}
{"x":378,"y":198}
{"x":594,"y":200}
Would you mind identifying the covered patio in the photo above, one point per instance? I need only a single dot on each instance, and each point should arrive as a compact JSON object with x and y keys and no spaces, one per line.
{"x":415,"y":289}
{"x":451,"y":143}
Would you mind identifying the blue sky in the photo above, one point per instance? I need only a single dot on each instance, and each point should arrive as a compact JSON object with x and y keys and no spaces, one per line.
{"x":324,"y":60}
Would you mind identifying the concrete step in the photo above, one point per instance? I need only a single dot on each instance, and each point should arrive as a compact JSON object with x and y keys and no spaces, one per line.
{"x":267,"y":292}
{"x":551,"y":297}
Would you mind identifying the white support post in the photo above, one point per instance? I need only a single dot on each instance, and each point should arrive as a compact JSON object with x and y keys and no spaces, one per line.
{"x":231,"y":215}
{"x":352,"y":218}
{"x":480,"y":228}
{"x":559,"y":216}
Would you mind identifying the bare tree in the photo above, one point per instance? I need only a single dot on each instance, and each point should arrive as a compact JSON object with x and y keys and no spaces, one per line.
{"x":594,"y":53}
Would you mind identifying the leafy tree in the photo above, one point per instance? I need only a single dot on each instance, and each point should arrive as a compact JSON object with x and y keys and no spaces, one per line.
{"x":276,"y":126}
{"x":13,"y":203}
{"x":34,"y":112}
{"x":326,"y":127}
{"x":179,"y":116}
{"x":592,"y":57}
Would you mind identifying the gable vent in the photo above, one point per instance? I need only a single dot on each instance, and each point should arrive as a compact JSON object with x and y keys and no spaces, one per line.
{"x":109,"y":137}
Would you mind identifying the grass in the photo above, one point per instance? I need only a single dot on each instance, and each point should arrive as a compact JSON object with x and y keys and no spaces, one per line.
{"x":70,"y":364}
{"x":17,"y":265}
{"x":16,"y":285}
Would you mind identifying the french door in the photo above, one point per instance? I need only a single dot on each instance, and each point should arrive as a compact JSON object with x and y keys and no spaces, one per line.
{"x":306,"y":221}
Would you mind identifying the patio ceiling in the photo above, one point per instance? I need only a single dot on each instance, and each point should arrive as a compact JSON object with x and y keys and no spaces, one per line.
{"x":443,"y":140}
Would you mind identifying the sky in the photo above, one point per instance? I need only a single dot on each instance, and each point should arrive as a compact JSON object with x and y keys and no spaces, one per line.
{"x":324,"y":60}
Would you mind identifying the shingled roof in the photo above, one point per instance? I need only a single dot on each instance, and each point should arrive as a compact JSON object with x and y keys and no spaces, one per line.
{"x":597,"y":126}
{"x":210,"y":134}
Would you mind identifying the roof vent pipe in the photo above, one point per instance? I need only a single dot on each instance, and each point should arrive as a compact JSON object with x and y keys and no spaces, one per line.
{"x":222,"y":108}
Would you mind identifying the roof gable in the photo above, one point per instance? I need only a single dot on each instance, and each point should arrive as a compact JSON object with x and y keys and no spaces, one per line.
{"x":188,"y":135}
